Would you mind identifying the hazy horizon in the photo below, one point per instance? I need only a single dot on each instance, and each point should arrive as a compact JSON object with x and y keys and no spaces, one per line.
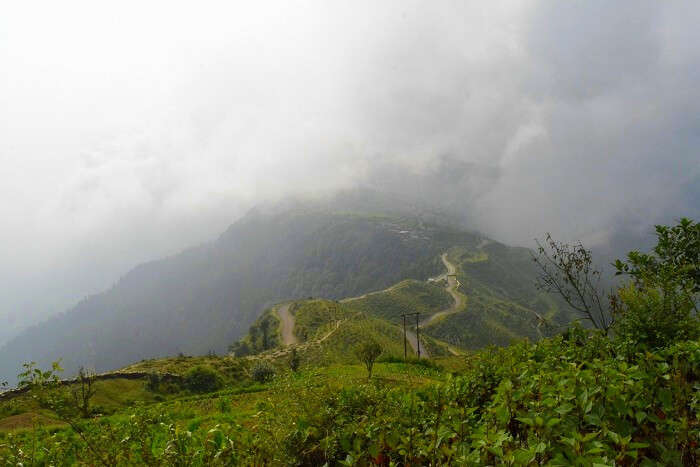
{"x":131,"y":131}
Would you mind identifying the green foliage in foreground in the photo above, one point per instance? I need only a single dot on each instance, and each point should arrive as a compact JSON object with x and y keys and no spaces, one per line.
{"x":582,"y":398}
{"x":570,"y":400}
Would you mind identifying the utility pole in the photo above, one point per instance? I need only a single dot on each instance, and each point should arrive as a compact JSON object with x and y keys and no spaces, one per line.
{"x":417,"y":336}
{"x":405,"y":349}
{"x":404,"y":338}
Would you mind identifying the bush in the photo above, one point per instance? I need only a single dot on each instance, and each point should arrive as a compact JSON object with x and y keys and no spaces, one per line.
{"x":649,"y":319}
{"x":424,"y":362}
{"x":202,"y":379}
{"x":262,"y":372}
{"x":659,"y":307}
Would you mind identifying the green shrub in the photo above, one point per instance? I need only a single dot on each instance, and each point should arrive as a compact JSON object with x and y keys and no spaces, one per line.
{"x":659,"y":307}
{"x":424,"y":362}
{"x":648,"y":319}
{"x":262,"y":372}
{"x":567,"y":400}
{"x":202,"y":379}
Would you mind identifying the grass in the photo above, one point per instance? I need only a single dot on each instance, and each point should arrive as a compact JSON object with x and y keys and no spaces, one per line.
{"x":236,"y":403}
{"x":408,"y":297}
{"x":334,"y":411}
{"x":229,"y":367}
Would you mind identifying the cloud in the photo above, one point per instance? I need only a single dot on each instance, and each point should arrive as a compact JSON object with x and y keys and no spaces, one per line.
{"x":131,"y":131}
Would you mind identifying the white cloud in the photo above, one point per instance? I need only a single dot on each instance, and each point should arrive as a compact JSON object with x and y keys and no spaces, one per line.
{"x":130,"y":130}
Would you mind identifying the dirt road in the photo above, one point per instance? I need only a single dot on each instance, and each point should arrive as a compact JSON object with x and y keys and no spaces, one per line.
{"x":287,"y":324}
{"x":452,"y":286}
{"x":360,"y":297}
{"x":287,"y":319}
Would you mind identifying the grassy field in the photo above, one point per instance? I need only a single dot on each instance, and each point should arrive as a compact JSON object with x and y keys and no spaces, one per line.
{"x":235,"y":402}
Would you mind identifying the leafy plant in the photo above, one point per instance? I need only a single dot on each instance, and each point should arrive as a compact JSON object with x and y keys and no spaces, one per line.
{"x":648,"y":318}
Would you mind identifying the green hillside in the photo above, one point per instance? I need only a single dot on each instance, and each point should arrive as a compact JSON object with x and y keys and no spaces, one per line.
{"x":502,"y":303}
{"x":583,"y":397}
{"x":205,"y":298}
{"x":495,"y":287}
{"x":327,"y":331}
{"x":406,"y":297}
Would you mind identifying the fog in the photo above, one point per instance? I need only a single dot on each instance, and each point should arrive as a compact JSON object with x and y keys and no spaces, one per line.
{"x":131,"y":130}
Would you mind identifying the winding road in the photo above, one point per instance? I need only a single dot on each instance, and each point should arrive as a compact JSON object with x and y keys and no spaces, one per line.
{"x":459,"y":300}
{"x":287,"y":319}
{"x":452,"y":286}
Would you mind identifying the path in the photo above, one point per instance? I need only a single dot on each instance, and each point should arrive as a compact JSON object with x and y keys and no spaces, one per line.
{"x":287,"y":323}
{"x":281,"y":352}
{"x":452,"y":286}
{"x":287,"y":319}
{"x":360,"y":297}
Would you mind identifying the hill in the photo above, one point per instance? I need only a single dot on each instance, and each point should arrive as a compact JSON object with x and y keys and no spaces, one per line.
{"x":484,"y":296}
{"x":326,"y":332}
{"x":206,"y":297}
{"x":582,"y":397}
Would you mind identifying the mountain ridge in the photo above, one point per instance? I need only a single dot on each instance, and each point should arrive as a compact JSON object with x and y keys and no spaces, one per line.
{"x":204,"y":298}
{"x":257,"y":261}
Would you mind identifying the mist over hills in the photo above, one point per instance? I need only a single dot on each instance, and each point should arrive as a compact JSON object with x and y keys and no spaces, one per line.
{"x":204,"y":298}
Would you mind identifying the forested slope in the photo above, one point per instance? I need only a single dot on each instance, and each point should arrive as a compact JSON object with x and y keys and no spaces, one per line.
{"x":206,"y":297}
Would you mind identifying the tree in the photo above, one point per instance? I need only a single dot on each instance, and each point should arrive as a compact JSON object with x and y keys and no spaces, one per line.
{"x":567,"y":270}
{"x":674,"y":262}
{"x":82,"y":391}
{"x":368,"y":352}
{"x":202,"y":378}
{"x":265,"y":330}
{"x":659,"y":307}
{"x":240,"y":348}
{"x":294,"y":360}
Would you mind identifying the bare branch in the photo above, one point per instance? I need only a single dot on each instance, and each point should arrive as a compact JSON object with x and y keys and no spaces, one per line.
{"x":567,"y":270}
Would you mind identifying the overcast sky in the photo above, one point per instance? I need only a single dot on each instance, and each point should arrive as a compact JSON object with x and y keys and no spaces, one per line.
{"x":130,"y":130}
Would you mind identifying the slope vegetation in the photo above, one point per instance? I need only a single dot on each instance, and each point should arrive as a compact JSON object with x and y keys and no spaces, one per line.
{"x":327,"y":331}
{"x":205,"y":298}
